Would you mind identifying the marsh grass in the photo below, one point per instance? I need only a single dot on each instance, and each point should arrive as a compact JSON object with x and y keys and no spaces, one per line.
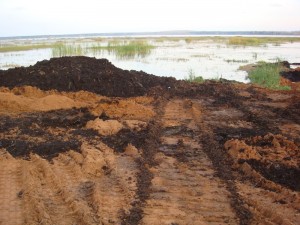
{"x":126,"y":50}
{"x":236,"y":60}
{"x":140,"y":44}
{"x":260,"y":41}
{"x":243,"y":41}
{"x":63,"y":49}
{"x":180,"y":60}
{"x":164,"y":39}
{"x":267,"y":75}
{"x":246,"y":41}
{"x":16,"y":48}
{"x":202,"y":56}
{"x":254,"y":55}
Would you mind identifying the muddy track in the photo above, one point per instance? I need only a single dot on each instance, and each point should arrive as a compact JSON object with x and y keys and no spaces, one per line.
{"x":144,"y":176}
{"x":222,"y":164}
{"x":11,"y":208}
{"x":184,"y":189}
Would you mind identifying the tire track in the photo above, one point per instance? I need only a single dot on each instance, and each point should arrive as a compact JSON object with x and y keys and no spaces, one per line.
{"x":45,"y":197}
{"x":184,"y":189}
{"x":215,"y":151}
{"x":144,"y":164}
{"x":91,"y":187}
{"x":11,"y":210}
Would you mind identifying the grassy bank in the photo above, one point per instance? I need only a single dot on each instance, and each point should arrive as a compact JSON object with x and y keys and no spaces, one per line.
{"x":267,"y":75}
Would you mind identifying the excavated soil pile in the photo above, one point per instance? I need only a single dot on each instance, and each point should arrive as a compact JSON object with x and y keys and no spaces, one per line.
{"x":84,"y":142}
{"x":83,"y":73}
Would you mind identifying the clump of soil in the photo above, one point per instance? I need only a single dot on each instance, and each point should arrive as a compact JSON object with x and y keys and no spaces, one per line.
{"x":292,"y":74}
{"x":274,"y":156}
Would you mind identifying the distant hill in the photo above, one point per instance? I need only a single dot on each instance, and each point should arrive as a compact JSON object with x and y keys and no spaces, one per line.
{"x":186,"y":32}
{"x":166,"y":33}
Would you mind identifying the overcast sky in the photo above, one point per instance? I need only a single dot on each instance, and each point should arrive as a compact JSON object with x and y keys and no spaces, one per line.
{"x":37,"y":17}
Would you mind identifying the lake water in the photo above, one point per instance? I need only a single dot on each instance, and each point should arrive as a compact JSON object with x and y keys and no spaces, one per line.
{"x":205,"y":58}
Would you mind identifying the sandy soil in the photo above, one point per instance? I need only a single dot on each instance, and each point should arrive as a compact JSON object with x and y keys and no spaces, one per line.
{"x":213,"y":153}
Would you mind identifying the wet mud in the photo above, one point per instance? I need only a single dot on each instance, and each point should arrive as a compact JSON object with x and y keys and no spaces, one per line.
{"x":89,"y":143}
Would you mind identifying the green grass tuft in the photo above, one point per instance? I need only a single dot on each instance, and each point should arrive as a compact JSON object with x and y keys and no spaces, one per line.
{"x":193,"y":78}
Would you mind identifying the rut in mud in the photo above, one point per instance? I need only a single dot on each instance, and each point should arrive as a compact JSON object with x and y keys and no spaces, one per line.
{"x":158,"y":151}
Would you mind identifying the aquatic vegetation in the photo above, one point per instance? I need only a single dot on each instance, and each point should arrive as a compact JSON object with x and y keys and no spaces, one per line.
{"x":260,"y":41}
{"x":202,"y":55}
{"x":126,"y":49}
{"x":163,"y":39}
{"x":180,"y":60}
{"x":236,"y":60}
{"x":246,"y":41}
{"x":16,"y":48}
{"x":254,"y":55}
{"x":189,"y":40}
{"x":171,"y":57}
{"x":63,"y":49}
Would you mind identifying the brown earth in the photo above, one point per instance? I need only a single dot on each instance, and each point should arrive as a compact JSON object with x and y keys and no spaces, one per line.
{"x":125,"y":147}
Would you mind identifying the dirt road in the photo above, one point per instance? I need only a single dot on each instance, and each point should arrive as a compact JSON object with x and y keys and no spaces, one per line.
{"x":214,"y":153}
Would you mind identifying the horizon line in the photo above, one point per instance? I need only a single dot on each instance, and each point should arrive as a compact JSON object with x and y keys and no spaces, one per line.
{"x":167,"y":32}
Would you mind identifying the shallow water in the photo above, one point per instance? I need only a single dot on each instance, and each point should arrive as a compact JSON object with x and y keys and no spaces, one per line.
{"x":211,"y":60}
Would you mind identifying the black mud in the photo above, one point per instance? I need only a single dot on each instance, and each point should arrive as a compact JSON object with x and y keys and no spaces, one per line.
{"x":45,"y":133}
{"x":278,"y":173}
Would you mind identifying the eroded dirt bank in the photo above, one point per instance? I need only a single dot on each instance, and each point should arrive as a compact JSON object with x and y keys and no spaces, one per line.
{"x":125,"y":147}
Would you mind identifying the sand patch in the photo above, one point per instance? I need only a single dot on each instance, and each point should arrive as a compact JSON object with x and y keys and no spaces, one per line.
{"x":14,"y":102}
{"x":108,"y":127}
